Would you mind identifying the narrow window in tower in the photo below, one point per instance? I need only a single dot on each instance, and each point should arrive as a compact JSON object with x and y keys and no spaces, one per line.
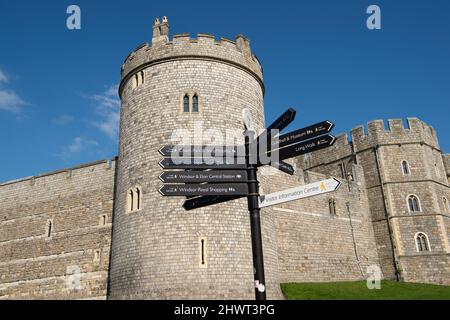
{"x":413,"y":204}
{"x":130,"y":200}
{"x":138,"y":199}
{"x":332,"y":206}
{"x":97,"y":255}
{"x":142,"y":77}
{"x":446,"y":204}
{"x":422,"y":243}
{"x":186,"y":103}
{"x":136,"y":81}
{"x":103,"y":219}
{"x":202,"y":248}
{"x":405,"y":168}
{"x":195,"y":103}
{"x":49,"y":229}
{"x":343,"y":169}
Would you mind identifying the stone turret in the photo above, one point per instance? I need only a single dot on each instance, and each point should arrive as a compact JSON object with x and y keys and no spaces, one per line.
{"x":399,"y":162}
{"x":158,"y":249}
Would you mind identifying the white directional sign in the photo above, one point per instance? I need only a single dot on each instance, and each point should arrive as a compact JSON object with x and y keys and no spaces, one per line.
{"x":301,"y":192}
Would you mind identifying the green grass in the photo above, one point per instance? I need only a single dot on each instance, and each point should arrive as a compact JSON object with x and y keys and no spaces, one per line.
{"x":390,"y":290}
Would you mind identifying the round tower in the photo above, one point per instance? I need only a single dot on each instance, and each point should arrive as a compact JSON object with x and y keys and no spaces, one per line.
{"x":159,"y":250}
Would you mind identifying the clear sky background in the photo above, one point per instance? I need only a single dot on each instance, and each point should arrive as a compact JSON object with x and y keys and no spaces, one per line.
{"x":58,"y":88}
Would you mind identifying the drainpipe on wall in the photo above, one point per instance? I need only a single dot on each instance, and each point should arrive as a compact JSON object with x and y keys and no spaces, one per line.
{"x":358,"y":262}
{"x":387,"y":214}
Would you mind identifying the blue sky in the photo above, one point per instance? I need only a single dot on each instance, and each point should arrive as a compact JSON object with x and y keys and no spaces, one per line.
{"x":58,"y":102}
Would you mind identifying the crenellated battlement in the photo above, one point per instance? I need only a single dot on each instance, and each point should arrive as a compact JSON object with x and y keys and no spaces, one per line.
{"x":393,"y":131}
{"x":183,"y":46}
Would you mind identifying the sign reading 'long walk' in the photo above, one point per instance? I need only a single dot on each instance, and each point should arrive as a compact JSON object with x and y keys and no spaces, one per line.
{"x":301,"y":192}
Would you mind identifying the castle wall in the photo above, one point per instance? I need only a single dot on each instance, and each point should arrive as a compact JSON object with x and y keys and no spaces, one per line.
{"x":35,"y":266}
{"x":380,"y":152}
{"x":315,"y":245}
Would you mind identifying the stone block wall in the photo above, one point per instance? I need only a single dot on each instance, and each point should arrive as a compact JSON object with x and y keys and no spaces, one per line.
{"x":71,"y":261}
{"x":315,"y":245}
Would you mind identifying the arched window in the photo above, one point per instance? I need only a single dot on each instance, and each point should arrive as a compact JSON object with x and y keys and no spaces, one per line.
{"x":405,"y":168}
{"x":186,"y":103}
{"x":134,"y":199}
{"x":195,"y":103}
{"x":130,"y":200}
{"x":413,"y":204}
{"x":142,"y":77}
{"x":422,"y":243}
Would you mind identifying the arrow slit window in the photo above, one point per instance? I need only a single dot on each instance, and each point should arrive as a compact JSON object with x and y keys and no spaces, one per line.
{"x":49,"y":229}
{"x":202,"y":257}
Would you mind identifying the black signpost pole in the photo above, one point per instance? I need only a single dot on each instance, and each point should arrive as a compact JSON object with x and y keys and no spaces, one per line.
{"x":255,"y":221}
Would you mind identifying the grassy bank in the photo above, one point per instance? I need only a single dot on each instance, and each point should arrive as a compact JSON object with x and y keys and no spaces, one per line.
{"x":390,"y":290}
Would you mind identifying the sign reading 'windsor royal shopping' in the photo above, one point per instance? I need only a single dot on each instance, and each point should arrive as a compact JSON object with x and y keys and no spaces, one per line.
{"x":217,"y":174}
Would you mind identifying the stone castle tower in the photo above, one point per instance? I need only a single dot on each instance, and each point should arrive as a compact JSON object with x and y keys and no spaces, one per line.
{"x":102,"y":230}
{"x":158,"y":249}
{"x":408,"y":191}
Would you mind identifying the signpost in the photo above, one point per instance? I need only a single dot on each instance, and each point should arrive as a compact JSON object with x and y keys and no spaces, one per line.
{"x":300,"y":192}
{"x":217,"y":174}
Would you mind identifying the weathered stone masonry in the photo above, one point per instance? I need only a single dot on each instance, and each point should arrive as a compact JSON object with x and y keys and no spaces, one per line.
{"x":80,"y":234}
{"x":78,"y":202}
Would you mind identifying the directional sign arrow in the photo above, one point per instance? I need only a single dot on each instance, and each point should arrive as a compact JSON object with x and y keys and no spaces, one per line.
{"x":283,"y":166}
{"x":204,"y":176}
{"x":202,"y":151}
{"x":203,"y":163}
{"x":306,"y":147}
{"x":282,"y":122}
{"x":301,"y":192}
{"x":225,"y":189}
{"x":309,"y":132}
{"x":205,"y":201}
